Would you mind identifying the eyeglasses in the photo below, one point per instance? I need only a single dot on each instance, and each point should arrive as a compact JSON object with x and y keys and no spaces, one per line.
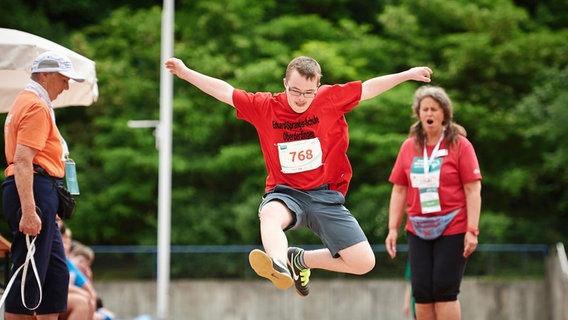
{"x":296,"y":93}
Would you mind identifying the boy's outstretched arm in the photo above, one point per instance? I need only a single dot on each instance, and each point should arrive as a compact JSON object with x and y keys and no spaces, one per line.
{"x":375,"y":86}
{"x":216,"y":88}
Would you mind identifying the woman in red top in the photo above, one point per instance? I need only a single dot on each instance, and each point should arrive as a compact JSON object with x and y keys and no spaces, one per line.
{"x":436,"y":177}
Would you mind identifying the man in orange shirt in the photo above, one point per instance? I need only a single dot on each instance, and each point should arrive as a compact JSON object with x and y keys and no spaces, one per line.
{"x":30,"y":200}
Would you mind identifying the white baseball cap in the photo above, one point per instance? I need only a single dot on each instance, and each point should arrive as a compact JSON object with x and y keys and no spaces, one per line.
{"x":51,"y":61}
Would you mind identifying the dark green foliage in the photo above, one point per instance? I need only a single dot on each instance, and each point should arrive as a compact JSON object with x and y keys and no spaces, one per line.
{"x":504,"y":64}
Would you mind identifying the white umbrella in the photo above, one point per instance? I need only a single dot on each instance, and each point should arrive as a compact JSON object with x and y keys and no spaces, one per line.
{"x":18,"y":49}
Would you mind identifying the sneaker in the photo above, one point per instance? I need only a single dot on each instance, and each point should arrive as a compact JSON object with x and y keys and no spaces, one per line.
{"x":301,"y":276}
{"x":270,"y":269}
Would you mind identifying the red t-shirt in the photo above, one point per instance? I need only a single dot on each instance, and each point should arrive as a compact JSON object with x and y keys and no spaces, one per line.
{"x":459,"y":166}
{"x":276,"y":122}
{"x":29,"y":123}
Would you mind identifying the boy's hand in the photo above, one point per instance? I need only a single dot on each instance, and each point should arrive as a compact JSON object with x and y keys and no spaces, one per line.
{"x":175,"y":66}
{"x":420,"y":74}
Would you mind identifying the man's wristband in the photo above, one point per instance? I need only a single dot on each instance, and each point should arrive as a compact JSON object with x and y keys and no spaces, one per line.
{"x":473,"y":230}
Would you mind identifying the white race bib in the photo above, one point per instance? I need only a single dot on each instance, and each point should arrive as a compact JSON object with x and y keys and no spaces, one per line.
{"x":300,"y":156}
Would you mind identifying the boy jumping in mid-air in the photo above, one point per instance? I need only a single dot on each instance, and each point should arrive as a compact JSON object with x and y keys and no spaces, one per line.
{"x":304,"y":138}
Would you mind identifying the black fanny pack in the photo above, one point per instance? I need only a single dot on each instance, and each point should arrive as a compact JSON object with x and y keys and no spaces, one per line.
{"x":66,"y":201}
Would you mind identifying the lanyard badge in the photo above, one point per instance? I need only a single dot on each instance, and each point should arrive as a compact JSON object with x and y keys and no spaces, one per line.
{"x":425,"y":176}
{"x":71,"y":176}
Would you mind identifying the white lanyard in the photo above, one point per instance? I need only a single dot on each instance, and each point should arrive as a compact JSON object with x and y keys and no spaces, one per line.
{"x":434,"y":153}
{"x":42,"y":94}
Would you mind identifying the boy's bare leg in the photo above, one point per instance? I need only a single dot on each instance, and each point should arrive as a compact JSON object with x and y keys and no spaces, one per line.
{"x":274,"y":218}
{"x":357,"y":259}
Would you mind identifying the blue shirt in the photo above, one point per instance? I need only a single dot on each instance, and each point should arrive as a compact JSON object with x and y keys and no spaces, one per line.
{"x":80,"y":278}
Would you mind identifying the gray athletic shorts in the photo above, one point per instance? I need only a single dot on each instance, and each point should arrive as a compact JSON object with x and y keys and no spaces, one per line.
{"x":322,"y":211}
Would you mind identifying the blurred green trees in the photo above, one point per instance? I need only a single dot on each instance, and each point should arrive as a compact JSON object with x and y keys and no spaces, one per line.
{"x":504,"y":63}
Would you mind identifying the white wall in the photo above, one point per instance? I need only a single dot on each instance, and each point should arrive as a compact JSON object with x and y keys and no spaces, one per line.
{"x":329,"y":299}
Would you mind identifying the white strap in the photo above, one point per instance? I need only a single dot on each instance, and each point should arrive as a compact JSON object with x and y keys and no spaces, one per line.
{"x":432,"y":156}
{"x":40,"y":91}
{"x":29,"y":258}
